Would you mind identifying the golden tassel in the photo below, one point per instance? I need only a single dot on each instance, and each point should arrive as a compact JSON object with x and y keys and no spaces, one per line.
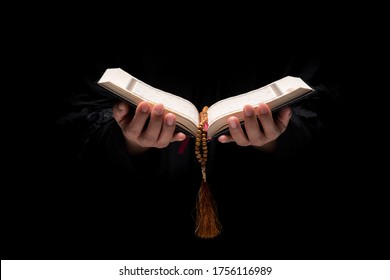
{"x":207,"y":222}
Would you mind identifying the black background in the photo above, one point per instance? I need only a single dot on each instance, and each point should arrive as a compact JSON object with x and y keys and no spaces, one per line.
{"x":42,"y":64}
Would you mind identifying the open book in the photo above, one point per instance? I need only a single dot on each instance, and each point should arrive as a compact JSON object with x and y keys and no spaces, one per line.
{"x":132,"y":90}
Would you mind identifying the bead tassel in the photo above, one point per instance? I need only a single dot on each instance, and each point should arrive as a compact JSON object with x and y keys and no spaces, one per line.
{"x":207,"y":222}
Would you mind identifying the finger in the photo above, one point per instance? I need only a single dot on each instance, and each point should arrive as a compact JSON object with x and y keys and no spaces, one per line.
{"x":225,"y":139}
{"x":270,"y":130}
{"x":137,"y":124}
{"x":252,"y":127}
{"x":120,"y":112}
{"x":283,"y":118}
{"x":179,"y":136}
{"x":167,"y":131}
{"x":236,"y":132}
{"x":150,"y":136}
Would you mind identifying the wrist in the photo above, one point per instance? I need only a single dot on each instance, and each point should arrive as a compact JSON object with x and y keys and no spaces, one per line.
{"x":135,"y":149}
{"x":269,"y":147}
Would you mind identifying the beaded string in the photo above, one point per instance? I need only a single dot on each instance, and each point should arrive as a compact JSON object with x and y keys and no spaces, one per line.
{"x":207,"y":222}
{"x":201,"y":142}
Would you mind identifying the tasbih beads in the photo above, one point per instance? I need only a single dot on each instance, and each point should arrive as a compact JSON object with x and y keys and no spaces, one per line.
{"x":207,"y":222}
{"x":201,"y":142}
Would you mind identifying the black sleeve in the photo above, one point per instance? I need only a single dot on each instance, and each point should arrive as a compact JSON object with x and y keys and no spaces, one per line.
{"x":310,"y":137}
{"x":316,"y":118}
{"x":92,"y":141}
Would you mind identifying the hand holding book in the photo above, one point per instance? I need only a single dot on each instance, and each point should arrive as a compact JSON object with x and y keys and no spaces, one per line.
{"x":248,"y":117}
{"x":149,"y":127}
{"x":160,"y":131}
{"x":275,"y":95}
{"x":260,"y":127}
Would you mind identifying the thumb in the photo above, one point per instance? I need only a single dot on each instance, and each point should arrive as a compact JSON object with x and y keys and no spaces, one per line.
{"x":120,"y":111}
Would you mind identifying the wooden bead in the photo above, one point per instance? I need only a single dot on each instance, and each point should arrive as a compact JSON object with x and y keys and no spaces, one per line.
{"x":201,"y":151}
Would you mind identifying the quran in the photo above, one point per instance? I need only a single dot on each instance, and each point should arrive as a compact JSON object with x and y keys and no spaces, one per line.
{"x":204,"y":125}
{"x":277,"y":94}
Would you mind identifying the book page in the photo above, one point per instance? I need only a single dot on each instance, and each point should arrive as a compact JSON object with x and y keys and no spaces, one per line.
{"x":289,"y":84}
{"x":267,"y":94}
{"x":134,"y":90}
{"x":236,"y":103}
{"x":174,"y":103}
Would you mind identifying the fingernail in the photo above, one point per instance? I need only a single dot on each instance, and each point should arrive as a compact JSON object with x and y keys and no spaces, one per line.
{"x":263,"y":109}
{"x":232,"y":124}
{"x":170,"y":120}
{"x":182,"y":136}
{"x":145,"y":108}
{"x":248,"y":112}
{"x":159,"y":110}
{"x":121,"y":106}
{"x":222,"y":139}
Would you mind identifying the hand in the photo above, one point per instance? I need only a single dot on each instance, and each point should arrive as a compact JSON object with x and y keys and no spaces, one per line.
{"x":139,"y":135}
{"x":257,"y":135}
